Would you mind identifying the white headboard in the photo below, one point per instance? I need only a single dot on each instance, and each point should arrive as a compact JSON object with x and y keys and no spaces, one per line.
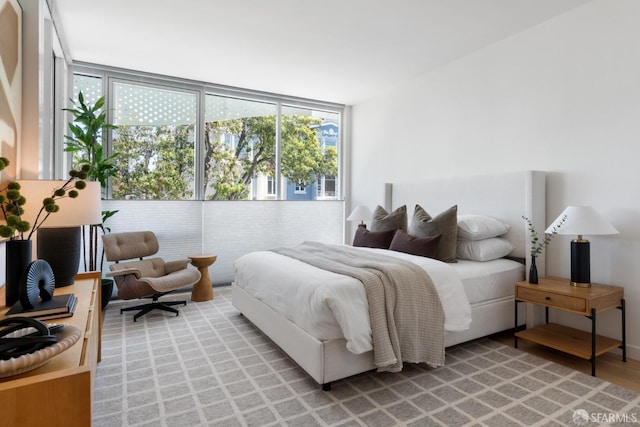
{"x":505,"y":196}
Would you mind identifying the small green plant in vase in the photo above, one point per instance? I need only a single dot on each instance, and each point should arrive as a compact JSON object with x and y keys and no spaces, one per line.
{"x":538,"y":245}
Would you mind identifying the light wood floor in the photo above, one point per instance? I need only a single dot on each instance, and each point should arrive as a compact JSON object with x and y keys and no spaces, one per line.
{"x":609,"y":366}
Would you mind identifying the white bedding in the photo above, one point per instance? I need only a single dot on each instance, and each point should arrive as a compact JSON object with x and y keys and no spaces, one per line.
{"x":485,"y":281}
{"x":331,"y":306}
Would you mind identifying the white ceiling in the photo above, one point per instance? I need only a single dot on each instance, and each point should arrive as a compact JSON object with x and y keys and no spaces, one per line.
{"x":343,"y":51}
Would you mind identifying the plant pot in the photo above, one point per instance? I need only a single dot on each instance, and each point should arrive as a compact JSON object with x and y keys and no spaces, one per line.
{"x":107,"y":291}
{"x":18,"y":257}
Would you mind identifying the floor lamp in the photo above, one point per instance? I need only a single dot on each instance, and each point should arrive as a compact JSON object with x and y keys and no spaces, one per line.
{"x":58,"y":240}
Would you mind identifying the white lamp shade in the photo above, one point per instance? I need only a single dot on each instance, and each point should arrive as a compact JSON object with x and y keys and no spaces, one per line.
{"x":581,"y":220}
{"x":360,"y":213}
{"x":82,"y":210}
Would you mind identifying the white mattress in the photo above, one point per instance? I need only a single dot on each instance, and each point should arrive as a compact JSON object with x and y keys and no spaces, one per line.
{"x":332,"y":306}
{"x":484,"y":281}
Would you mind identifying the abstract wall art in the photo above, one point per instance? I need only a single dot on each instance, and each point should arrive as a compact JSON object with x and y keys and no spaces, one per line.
{"x":10,"y":82}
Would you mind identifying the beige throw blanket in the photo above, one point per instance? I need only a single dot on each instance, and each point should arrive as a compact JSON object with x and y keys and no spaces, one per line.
{"x":406,"y":316}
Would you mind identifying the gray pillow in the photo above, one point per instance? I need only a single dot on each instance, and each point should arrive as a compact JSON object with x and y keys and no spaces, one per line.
{"x":384,"y":221}
{"x":445,"y":223}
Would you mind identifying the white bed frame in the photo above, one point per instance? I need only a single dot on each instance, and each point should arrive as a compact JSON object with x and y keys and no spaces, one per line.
{"x":506,"y":196}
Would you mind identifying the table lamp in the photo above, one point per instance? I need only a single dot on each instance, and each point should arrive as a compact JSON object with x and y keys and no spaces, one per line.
{"x":580,"y":221}
{"x":360,"y":213}
{"x":59,"y":238}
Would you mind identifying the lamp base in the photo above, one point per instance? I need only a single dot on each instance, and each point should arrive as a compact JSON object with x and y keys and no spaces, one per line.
{"x":60,"y":247}
{"x":580,"y":260}
{"x":580,"y":285}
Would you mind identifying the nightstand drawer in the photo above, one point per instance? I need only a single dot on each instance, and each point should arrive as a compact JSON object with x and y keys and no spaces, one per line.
{"x":553,"y":300}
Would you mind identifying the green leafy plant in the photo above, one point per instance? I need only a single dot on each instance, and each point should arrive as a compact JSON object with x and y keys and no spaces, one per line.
{"x":537,"y":245}
{"x":85,"y":142}
{"x":12,"y":204}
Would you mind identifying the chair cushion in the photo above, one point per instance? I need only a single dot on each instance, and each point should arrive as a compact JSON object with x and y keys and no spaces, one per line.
{"x":151,"y":267}
{"x":133,"y":245}
{"x":176,"y":280}
{"x":153,"y":276}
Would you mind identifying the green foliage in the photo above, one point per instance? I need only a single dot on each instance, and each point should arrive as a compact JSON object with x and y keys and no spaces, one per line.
{"x":12,"y":204}
{"x":160,"y":160}
{"x":302,"y":158}
{"x":538,"y":245}
{"x":229,"y":168}
{"x":85,"y":141}
{"x":159,"y":163}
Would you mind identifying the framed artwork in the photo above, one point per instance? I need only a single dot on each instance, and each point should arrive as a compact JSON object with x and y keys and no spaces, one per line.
{"x":10,"y":83}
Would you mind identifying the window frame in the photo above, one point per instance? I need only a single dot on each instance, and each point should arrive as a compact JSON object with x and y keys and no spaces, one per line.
{"x":202,"y":89}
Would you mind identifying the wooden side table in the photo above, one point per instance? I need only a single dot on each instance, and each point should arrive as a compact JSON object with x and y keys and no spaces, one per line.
{"x":557,"y":293}
{"x":203,"y":290}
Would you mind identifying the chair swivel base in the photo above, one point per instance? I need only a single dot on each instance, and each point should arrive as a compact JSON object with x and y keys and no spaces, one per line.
{"x":154,"y":305}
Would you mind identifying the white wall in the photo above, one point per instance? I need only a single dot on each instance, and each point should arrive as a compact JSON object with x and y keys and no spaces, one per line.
{"x":562,"y":97}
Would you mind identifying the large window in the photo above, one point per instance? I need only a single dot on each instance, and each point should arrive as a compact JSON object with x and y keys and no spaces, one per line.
{"x":309,"y":153}
{"x":240,"y":147}
{"x":232,"y":146}
{"x":155,"y":130}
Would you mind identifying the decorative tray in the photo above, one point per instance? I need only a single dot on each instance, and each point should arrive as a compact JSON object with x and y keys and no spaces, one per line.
{"x":28,"y":362}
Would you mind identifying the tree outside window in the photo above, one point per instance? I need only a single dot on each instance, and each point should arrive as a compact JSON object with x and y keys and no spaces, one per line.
{"x":157,"y":131}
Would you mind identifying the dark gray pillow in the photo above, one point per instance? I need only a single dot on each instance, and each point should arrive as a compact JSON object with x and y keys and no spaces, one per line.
{"x":373,"y":239}
{"x":445,"y":223}
{"x":381,"y":220}
{"x":421,"y":246}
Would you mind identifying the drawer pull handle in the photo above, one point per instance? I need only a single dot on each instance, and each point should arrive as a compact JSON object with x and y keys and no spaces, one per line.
{"x":547,"y":298}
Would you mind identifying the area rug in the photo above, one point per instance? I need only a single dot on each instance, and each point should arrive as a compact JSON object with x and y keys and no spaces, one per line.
{"x":210,"y":366}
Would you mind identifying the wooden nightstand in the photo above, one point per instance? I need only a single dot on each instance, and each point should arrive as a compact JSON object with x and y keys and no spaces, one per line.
{"x":555,"y":292}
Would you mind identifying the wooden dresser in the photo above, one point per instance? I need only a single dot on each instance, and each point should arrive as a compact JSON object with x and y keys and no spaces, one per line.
{"x":60,"y":393}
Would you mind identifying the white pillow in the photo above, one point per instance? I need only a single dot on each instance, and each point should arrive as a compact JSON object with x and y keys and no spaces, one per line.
{"x":483,"y":250}
{"x":478,"y":227}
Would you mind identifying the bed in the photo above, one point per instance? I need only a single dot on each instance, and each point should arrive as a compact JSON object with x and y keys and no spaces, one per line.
{"x":488,"y":286}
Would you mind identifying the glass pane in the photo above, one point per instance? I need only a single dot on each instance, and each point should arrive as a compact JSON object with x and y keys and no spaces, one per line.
{"x":309,"y":153}
{"x":90,"y":86}
{"x":156,"y":131}
{"x":239,"y":142}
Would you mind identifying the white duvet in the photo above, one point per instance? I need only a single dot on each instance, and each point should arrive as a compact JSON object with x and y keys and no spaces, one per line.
{"x":331,"y":306}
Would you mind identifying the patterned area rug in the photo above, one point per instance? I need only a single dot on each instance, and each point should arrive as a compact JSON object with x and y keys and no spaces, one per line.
{"x":211,"y":367}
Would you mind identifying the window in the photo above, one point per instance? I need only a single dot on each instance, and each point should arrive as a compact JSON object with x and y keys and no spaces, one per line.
{"x":156,"y":130}
{"x":309,"y":153}
{"x":271,"y":187}
{"x":90,"y":86}
{"x":183,"y":140}
{"x":239,"y":148}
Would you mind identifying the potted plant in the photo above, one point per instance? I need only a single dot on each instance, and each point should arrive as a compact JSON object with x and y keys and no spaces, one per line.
{"x":19,"y":231}
{"x":538,"y":245}
{"x":85,"y":142}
